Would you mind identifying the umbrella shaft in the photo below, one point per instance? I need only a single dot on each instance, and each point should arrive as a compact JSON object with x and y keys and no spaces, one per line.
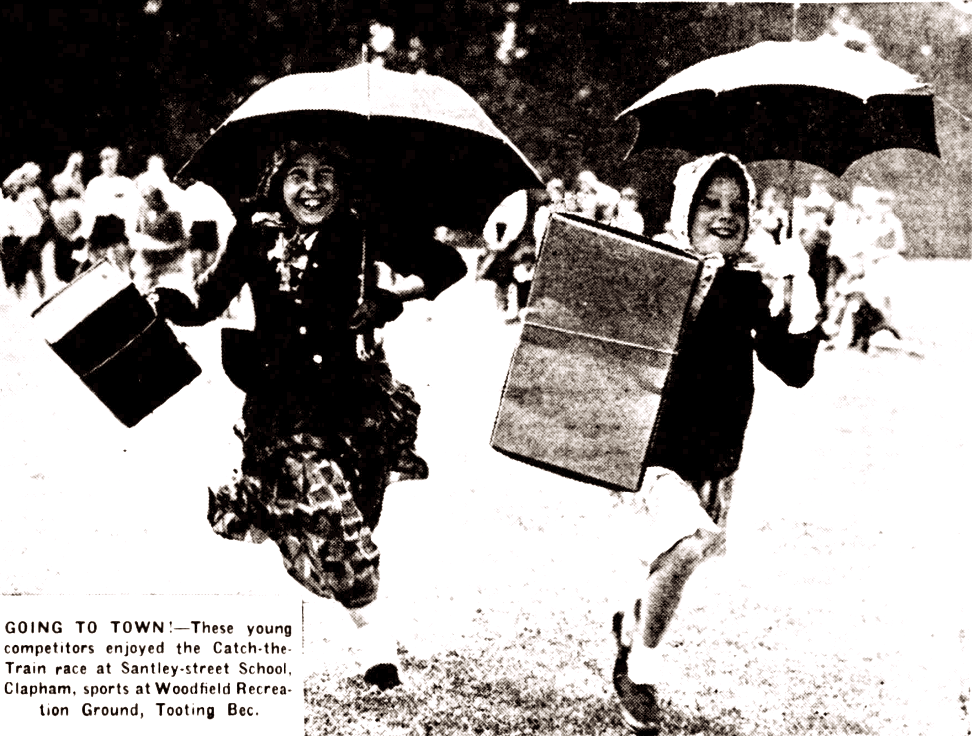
{"x":791,"y":197}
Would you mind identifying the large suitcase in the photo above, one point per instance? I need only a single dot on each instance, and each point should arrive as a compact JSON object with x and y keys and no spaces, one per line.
{"x":108,"y":333}
{"x":602,"y":327}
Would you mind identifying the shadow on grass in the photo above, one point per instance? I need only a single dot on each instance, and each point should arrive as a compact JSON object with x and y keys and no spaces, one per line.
{"x":450,"y":695}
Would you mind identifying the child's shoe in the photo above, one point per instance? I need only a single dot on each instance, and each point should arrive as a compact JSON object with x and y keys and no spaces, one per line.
{"x":383,"y":676}
{"x":638,"y":703}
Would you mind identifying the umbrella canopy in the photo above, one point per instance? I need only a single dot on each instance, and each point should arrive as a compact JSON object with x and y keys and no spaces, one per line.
{"x":809,"y":101}
{"x":419,"y":143}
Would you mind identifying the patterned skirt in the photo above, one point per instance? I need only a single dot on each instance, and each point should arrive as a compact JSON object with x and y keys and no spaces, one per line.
{"x":314,"y":474}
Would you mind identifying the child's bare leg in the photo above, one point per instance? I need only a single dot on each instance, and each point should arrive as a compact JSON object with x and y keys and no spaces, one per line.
{"x":379,"y":648}
{"x":667,"y":578}
{"x":845,"y":332}
{"x":837,"y":307}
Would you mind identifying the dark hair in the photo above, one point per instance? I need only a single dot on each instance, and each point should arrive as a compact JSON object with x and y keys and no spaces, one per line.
{"x":722,"y":167}
{"x":828,"y":213}
{"x":155,"y":199}
{"x":269,"y":193}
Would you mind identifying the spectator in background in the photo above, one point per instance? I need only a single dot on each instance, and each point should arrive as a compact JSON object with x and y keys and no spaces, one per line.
{"x":869,"y":246}
{"x":510,"y":245}
{"x":108,"y":219}
{"x":627,"y":217}
{"x":209,"y":221}
{"x":845,"y":246}
{"x":594,"y":199}
{"x":848,"y":256}
{"x":163,"y":247}
{"x":772,"y":217}
{"x":70,"y":182}
{"x":29,"y":226}
{"x":158,"y":220}
{"x":818,"y":199}
{"x":586,"y":195}
{"x":883,"y":230}
{"x":812,"y":218}
{"x":526,"y":251}
{"x":68,"y":189}
{"x":155,"y":177}
{"x":556,"y":202}
{"x":815,"y":237}
{"x":570,"y":202}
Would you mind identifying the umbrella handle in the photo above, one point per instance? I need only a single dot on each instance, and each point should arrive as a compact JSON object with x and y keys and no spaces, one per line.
{"x":365,"y":345}
{"x":365,"y":342}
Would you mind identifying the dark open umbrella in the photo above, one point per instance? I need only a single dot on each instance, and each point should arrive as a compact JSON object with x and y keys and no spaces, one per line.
{"x":809,"y":101}
{"x":421,"y":145}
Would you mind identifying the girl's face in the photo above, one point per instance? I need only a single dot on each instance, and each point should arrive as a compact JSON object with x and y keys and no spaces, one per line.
{"x":310,"y":190}
{"x":719,"y":225}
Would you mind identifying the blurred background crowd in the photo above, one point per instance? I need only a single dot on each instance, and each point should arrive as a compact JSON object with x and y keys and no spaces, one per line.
{"x":147,"y":226}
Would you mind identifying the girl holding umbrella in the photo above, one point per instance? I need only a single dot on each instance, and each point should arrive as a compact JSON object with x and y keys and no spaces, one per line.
{"x":735,"y":313}
{"x":325,"y":428}
{"x":796,"y":101}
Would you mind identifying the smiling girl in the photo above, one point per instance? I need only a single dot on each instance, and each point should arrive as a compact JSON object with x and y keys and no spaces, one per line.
{"x":736,"y":313}
{"x":324,"y":427}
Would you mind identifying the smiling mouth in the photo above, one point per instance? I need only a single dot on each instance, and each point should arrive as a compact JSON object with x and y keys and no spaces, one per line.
{"x":726,"y":233}
{"x":312,"y":204}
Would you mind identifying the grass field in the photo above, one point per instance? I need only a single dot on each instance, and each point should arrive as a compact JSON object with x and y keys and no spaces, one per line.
{"x":839,"y":608}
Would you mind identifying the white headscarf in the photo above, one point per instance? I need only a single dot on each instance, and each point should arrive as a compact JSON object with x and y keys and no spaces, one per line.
{"x":678,"y":229}
{"x":786,"y":261}
{"x":687,"y":182}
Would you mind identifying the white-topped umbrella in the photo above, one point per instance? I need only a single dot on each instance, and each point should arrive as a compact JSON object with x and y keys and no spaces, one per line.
{"x":418,"y":143}
{"x":811,"y":101}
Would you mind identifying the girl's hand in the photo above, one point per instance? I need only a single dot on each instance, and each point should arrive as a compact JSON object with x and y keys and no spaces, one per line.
{"x":377,"y":310}
{"x":171,"y":304}
{"x":796,"y":294}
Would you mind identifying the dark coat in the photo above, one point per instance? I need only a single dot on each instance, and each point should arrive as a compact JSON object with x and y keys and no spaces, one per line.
{"x":165,"y":227}
{"x":301,"y":337}
{"x":709,"y":398}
